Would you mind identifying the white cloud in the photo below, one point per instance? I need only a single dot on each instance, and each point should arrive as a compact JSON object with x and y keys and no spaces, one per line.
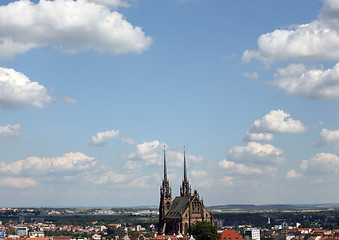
{"x":37,"y":166}
{"x":276,"y":121}
{"x":292,"y":174}
{"x":10,"y":131}
{"x":200,"y":173}
{"x":101,"y":138}
{"x":233,"y":167}
{"x":256,"y":153}
{"x":151,"y":153}
{"x":141,"y":182}
{"x":321,"y":164}
{"x":72,"y":26}
{"x":227,"y":181}
{"x":132,"y":165}
{"x":257,"y":137}
{"x":17,"y":90}
{"x":109,"y":177}
{"x":328,"y":138}
{"x":17,"y":182}
{"x":70,"y":100}
{"x":111,"y":3}
{"x":318,"y":40}
{"x":128,"y":141}
{"x":297,"y":79}
{"x":69,"y":167}
{"x":323,"y":167}
{"x":253,"y":75}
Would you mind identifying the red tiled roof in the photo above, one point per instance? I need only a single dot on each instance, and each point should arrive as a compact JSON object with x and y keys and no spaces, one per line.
{"x":61,"y":237}
{"x":230,"y":235}
{"x":165,"y":237}
{"x":36,"y":238}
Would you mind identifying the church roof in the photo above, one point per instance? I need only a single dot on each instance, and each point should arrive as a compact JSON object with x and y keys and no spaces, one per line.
{"x":179,"y":205}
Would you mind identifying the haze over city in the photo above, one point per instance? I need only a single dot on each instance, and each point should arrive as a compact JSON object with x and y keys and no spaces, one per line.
{"x":92,"y":90}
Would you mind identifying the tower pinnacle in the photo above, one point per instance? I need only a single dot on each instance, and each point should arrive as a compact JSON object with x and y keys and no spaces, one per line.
{"x":165,"y":169}
{"x":185,"y":189}
{"x":185,"y":170}
{"x":166,"y":191}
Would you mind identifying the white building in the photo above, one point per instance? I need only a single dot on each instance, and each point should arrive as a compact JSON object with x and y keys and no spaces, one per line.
{"x":252,"y":233}
{"x":21,"y":231}
{"x":36,"y":234}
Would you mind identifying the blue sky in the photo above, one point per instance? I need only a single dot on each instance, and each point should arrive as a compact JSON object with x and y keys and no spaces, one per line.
{"x":91,"y":91}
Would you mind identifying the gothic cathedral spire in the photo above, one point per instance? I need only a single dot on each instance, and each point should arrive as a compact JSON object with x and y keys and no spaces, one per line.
{"x":165,"y":168}
{"x":165,"y":197}
{"x":165,"y":189}
{"x":185,"y":189}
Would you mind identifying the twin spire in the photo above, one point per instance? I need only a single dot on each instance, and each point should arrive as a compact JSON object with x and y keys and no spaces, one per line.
{"x":185,"y":189}
{"x":165,"y":169}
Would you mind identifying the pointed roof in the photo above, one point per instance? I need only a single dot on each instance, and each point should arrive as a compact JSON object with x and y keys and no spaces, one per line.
{"x":185,"y":170}
{"x":179,"y":205}
{"x":165,"y":168}
{"x":185,"y":189}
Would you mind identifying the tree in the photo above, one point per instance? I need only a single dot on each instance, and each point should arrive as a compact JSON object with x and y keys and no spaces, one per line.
{"x":204,"y":231}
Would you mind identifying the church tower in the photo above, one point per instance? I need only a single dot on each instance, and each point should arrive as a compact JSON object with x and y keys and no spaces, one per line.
{"x":165,"y":196}
{"x":178,"y":215}
{"x":185,"y":189}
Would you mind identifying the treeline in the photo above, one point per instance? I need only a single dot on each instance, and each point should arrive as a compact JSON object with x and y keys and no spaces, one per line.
{"x":328,"y":219}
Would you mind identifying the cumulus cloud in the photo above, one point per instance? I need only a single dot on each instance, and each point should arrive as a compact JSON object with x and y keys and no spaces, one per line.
{"x":17,"y":182}
{"x":132,"y":165}
{"x":233,"y":167}
{"x":257,"y":137}
{"x":101,"y":138}
{"x":70,"y":167}
{"x":321,"y":164}
{"x":17,"y":90}
{"x":276,"y":121}
{"x":10,"y":131}
{"x":128,"y":141}
{"x":256,"y":153}
{"x":34,"y":165}
{"x":141,"y":182}
{"x":253,"y":75}
{"x":227,"y":181}
{"x":71,"y":26}
{"x":111,"y":3}
{"x":328,"y":138}
{"x":318,"y":40}
{"x":292,"y":174}
{"x":253,"y":159}
{"x":151,"y":153}
{"x":200,"y":173}
{"x":323,"y":167}
{"x":306,"y":82}
{"x":109,"y":177}
{"x":70,"y":100}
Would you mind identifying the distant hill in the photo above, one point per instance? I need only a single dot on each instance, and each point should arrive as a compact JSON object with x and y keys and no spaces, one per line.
{"x":273,"y":207}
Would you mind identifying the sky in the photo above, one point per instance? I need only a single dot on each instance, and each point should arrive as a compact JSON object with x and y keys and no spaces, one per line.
{"x":91,"y":91}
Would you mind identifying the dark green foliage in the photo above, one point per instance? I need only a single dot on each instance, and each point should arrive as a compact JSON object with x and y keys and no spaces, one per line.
{"x":204,"y":231}
{"x":328,"y":219}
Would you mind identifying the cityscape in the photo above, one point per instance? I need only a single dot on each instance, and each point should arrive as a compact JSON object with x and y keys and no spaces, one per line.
{"x":55,"y":223}
{"x":169,"y":119}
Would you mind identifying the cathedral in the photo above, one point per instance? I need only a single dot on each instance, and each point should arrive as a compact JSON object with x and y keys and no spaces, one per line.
{"x":176,"y":216}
